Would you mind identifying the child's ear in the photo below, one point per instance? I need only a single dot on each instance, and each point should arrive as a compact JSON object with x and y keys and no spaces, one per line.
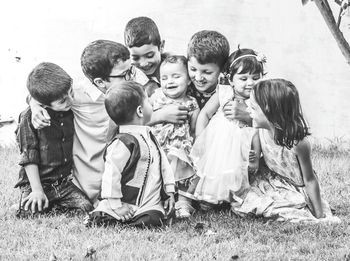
{"x":139,"y":111}
{"x":161,"y":47}
{"x":100,"y":84}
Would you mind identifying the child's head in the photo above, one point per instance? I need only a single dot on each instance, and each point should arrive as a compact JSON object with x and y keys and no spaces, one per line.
{"x":104,"y":62}
{"x":174,"y":76}
{"x":243,"y":69}
{"x":207,"y":53}
{"x":142,"y":37}
{"x":275,"y":105}
{"x":51,"y":86}
{"x":127,"y":103}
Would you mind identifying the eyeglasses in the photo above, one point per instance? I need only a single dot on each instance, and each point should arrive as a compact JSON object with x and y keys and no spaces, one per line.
{"x":127,"y":75}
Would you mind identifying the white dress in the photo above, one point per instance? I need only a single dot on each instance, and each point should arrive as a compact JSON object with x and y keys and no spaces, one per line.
{"x":221,"y":155}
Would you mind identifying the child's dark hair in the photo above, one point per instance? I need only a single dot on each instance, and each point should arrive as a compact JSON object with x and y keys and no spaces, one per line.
{"x":249,"y":63}
{"x":99,"y":58}
{"x":209,"y":47}
{"x":122,"y":101}
{"x":140,"y":31}
{"x":175,"y":59}
{"x":279,"y":101}
{"x":48,"y":82}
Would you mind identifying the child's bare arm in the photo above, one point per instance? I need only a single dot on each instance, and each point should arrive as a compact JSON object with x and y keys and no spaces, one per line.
{"x":206,"y":113}
{"x":256,"y":149}
{"x":37,"y":199}
{"x":193,"y":121}
{"x":40,"y":117}
{"x":312,"y":187}
{"x":170,"y":113}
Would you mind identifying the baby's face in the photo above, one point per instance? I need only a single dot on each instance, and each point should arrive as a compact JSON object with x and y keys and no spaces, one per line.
{"x":174,"y":79}
{"x":146,"y":57}
{"x":204,"y":76}
{"x":64,"y":103}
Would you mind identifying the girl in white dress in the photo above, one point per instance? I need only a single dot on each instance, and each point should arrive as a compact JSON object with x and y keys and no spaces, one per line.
{"x":222,"y":146}
{"x":287,"y":189}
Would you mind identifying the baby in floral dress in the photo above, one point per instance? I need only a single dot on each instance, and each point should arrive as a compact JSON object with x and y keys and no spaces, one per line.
{"x":176,"y":139}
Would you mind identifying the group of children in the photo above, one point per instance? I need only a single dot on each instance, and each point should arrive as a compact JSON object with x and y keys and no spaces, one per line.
{"x":155,"y":132}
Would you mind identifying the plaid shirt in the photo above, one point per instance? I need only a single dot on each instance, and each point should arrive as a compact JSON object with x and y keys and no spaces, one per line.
{"x":50,"y":148}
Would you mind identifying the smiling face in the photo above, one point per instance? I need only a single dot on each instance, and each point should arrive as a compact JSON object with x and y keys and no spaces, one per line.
{"x":259,"y":119}
{"x":204,"y":76}
{"x":243,"y":83}
{"x":174,"y":79}
{"x":64,"y":103}
{"x":146,"y":57}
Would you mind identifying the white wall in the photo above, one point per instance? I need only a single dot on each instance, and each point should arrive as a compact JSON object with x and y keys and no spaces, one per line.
{"x":295,"y":39}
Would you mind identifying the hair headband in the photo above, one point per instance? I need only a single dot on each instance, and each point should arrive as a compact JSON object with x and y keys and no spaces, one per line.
{"x":259,"y":57}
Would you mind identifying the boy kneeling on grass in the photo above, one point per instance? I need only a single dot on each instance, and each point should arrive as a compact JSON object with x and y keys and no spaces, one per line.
{"x":45,"y":179}
{"x":137,"y":184}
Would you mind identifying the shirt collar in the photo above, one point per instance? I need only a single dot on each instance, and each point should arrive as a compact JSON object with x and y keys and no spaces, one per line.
{"x":141,"y":129}
{"x":90,"y":89}
{"x":93,"y":92}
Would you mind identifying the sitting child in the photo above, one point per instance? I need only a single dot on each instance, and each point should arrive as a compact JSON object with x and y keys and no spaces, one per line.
{"x":176,"y":139}
{"x":137,"y":183}
{"x":288,"y":190}
{"x":45,"y":178}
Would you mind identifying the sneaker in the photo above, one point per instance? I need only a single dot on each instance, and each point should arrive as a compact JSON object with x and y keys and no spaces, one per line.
{"x":183,"y":209}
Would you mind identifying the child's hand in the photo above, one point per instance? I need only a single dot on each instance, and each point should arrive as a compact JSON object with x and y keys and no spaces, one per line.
{"x":235,"y":110}
{"x":252,"y":156}
{"x":169,"y":204}
{"x":40,"y":117}
{"x":125,"y":212}
{"x":174,"y":113}
{"x":36,"y":200}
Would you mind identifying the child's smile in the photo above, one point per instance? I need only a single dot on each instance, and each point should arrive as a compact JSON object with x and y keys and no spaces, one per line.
{"x":174,"y":79}
{"x":204,"y":76}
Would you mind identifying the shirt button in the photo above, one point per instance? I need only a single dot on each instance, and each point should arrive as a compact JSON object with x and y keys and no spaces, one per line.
{"x":61,"y":123}
{"x":61,"y":114}
{"x":63,"y":139}
{"x":65,"y":159}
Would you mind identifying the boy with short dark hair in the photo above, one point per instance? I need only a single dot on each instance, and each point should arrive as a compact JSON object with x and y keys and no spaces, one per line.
{"x":207,"y":53}
{"x":141,"y":36}
{"x":137,"y":183}
{"x":45,"y":178}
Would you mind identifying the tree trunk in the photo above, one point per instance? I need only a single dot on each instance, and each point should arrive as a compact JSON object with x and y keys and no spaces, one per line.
{"x":327,"y":14}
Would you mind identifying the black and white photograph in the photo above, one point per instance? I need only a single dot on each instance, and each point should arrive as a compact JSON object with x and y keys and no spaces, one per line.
{"x":175,"y":130}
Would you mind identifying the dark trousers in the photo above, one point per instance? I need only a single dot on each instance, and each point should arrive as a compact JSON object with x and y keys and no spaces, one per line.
{"x":62,"y":195}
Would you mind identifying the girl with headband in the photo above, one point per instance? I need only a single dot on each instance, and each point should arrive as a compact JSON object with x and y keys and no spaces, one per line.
{"x":222,"y":146}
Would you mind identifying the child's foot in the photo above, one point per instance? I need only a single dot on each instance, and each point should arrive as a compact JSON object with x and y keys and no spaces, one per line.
{"x":183,"y":209}
{"x":98,"y":219}
{"x":206,"y":206}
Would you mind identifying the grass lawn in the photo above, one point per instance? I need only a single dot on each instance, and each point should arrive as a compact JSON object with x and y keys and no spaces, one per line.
{"x":219,"y":236}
